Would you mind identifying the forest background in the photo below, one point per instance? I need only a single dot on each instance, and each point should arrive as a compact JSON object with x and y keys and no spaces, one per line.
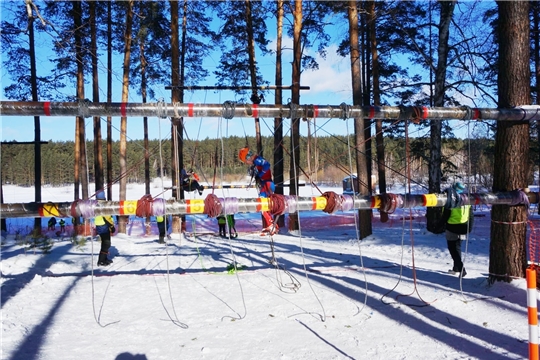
{"x":328,"y":165}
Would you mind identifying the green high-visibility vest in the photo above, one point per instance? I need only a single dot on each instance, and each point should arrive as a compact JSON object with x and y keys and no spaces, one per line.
{"x":459,"y":215}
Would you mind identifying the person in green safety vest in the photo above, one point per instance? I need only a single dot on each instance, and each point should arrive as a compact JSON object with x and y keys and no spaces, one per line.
{"x":62,"y":225}
{"x":232,"y":226}
{"x":104,"y":227}
{"x":221,"y":224}
{"x":458,"y":222}
{"x":161,"y":227}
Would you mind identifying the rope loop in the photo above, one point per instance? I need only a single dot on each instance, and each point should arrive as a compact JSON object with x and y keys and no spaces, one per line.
{"x":213,"y":206}
{"x":161,"y":107}
{"x":86,"y":208}
{"x":228,"y":109}
{"x":293,"y":111}
{"x":176,"y":105}
{"x":333,"y":202}
{"x":230,"y":206}
{"x":158,"y":207}
{"x":418,"y":114}
{"x":390,"y":202}
{"x":519,"y":197}
{"x":345,"y":111}
{"x":347,"y":203}
{"x":291,"y":202}
{"x":277,"y":204}
{"x":468,"y":112}
{"x":144,"y":206}
{"x":310,"y":112}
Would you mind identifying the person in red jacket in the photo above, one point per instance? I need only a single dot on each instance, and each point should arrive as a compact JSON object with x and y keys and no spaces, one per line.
{"x":259,"y":169}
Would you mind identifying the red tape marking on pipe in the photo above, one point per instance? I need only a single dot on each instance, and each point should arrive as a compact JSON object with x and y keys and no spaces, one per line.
{"x":255,"y":110}
{"x":371,"y":112}
{"x":425,"y":112}
{"x":47,"y":108}
{"x":123,"y":109}
{"x":190,"y":110}
{"x":476,"y":114}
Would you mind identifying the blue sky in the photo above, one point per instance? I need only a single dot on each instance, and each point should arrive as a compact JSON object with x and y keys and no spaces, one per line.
{"x":329,"y":85}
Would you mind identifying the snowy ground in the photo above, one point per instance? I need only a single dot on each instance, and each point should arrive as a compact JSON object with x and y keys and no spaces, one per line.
{"x":327,"y":295}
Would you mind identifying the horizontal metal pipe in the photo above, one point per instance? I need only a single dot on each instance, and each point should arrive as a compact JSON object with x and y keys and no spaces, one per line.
{"x":186,"y":207}
{"x":232,"y":110}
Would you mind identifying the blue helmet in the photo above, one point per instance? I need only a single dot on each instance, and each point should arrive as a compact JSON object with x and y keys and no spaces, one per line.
{"x":100,"y":195}
{"x":459,"y":187}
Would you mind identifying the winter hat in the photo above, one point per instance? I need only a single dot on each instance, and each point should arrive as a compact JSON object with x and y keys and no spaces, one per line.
{"x":459,"y":187}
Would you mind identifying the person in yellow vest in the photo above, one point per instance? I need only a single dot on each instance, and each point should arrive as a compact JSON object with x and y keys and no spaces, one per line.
{"x":62,"y":225}
{"x":161,"y":227}
{"x":459,"y":222}
{"x":221,"y":223}
{"x":104,"y":227}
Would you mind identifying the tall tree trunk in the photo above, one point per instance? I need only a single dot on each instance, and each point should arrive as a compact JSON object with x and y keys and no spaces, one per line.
{"x":109,"y":100}
{"x":536,"y":41}
{"x":433,"y":214}
{"x":366,"y":86}
{"x":507,"y":251}
{"x":379,"y":138}
{"x":122,"y":220}
{"x":79,"y":57}
{"x":278,"y":122}
{"x":255,"y":99}
{"x":144,"y":65}
{"x":177,"y":123}
{"x":359,"y":124}
{"x":294,"y":173}
{"x":98,"y":143}
{"x":37,"y":122}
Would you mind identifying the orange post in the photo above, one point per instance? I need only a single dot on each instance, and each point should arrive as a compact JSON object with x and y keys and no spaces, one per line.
{"x":533,"y":313}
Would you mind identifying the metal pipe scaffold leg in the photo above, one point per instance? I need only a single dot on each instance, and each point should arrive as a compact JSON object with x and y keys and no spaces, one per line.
{"x":276,"y":204}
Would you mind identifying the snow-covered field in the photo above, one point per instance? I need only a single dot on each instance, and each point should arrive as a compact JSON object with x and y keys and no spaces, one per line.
{"x":326,"y":295}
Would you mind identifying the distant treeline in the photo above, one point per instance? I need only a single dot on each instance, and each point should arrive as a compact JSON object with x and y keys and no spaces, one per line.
{"x":323,"y":159}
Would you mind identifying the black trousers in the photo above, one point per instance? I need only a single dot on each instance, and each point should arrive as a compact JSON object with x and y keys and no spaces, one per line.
{"x":454,"y":246}
{"x":105,"y":244}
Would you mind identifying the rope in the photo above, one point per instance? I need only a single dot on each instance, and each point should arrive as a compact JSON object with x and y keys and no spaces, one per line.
{"x":345,"y":111}
{"x":334,"y":202}
{"x":161,"y":107}
{"x":212,"y":206}
{"x":144,"y":206}
{"x":277,"y":204}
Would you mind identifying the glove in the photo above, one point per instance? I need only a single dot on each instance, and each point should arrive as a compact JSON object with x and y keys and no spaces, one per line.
{"x":252,"y":171}
{"x":112,"y":229}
